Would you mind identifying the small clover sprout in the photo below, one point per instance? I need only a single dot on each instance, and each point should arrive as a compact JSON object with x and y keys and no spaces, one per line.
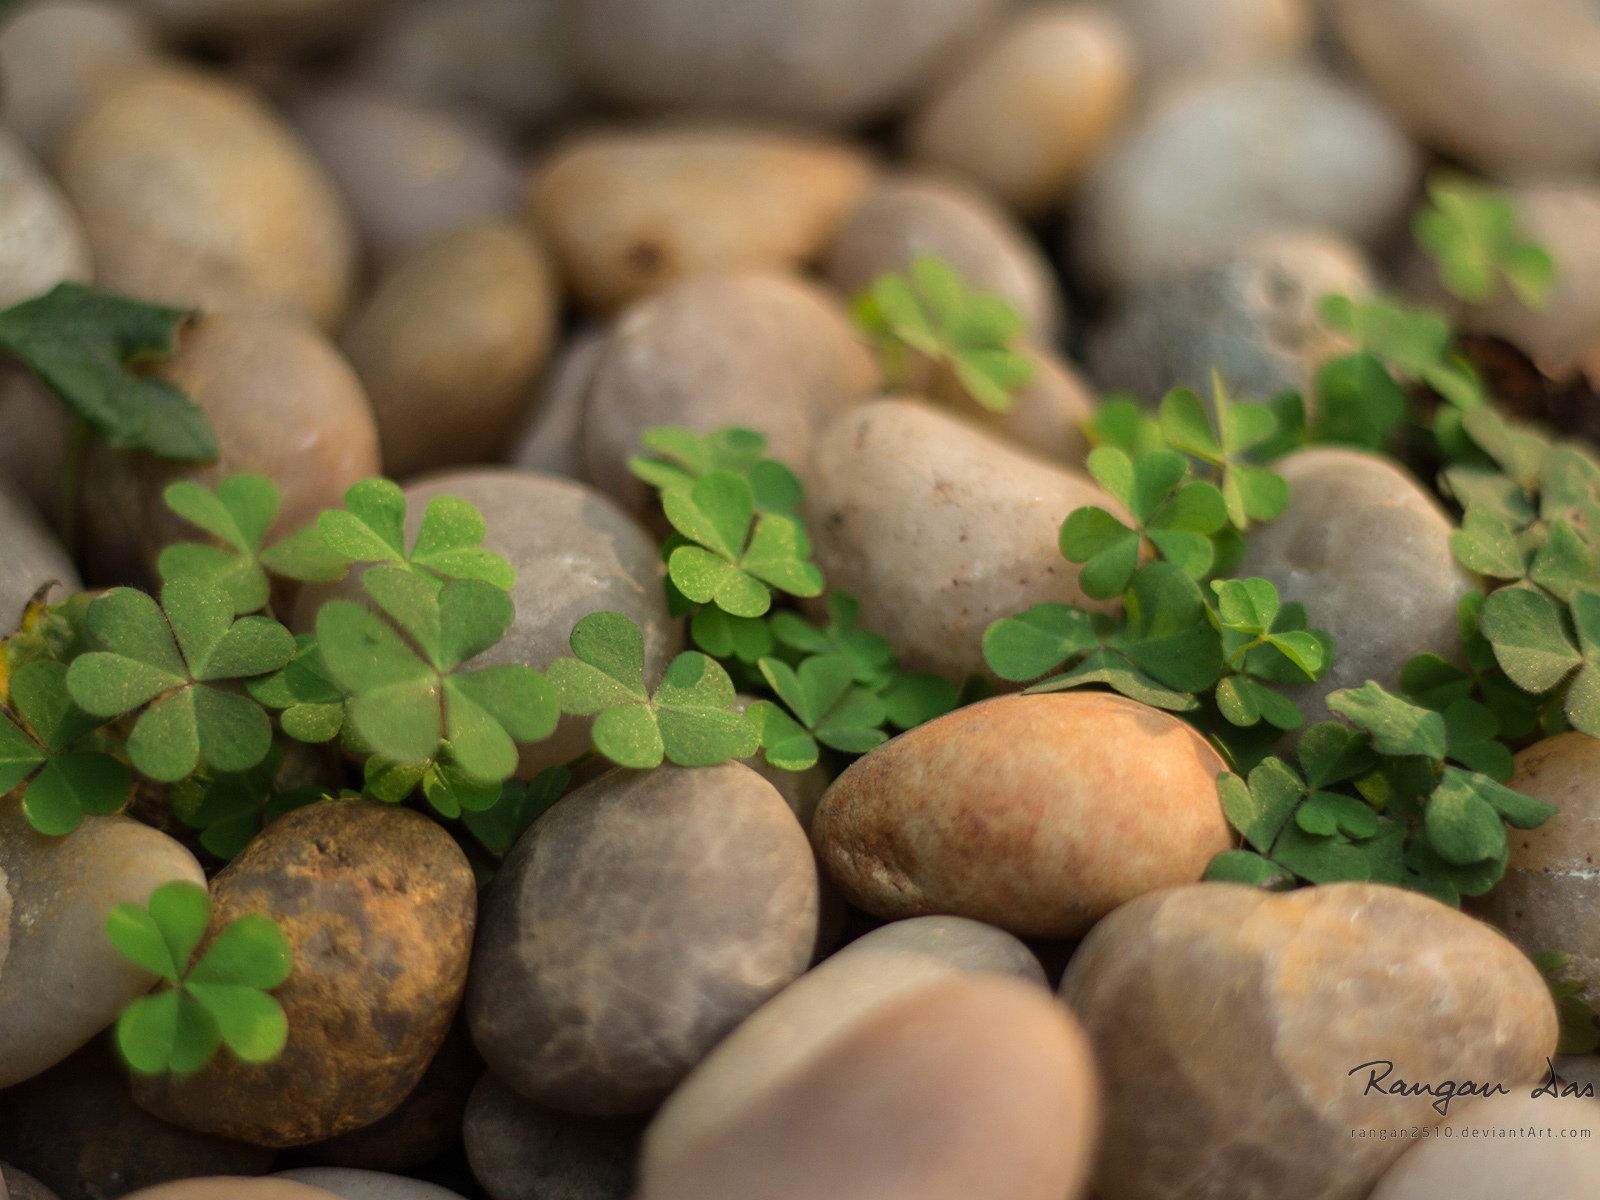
{"x":184,"y":660}
{"x":932,"y":312}
{"x":825,"y":705}
{"x":870,"y":655}
{"x":449,"y":543}
{"x":221,"y":1000}
{"x":1264,"y":642}
{"x":44,"y":744}
{"x":239,"y":515}
{"x":83,"y":344}
{"x":1172,"y":514}
{"x":408,"y":699}
{"x":1250,"y":493}
{"x":679,"y":458}
{"x":229,"y":810}
{"x":1470,"y":231}
{"x":690,"y":719}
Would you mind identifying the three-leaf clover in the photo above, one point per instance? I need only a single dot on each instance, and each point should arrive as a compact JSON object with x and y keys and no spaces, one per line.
{"x":371,"y":528}
{"x":407,"y":697}
{"x":932,"y":312}
{"x":1250,"y":493}
{"x":1541,"y":647}
{"x":1175,"y":515}
{"x":870,"y":654}
{"x":40,"y":745}
{"x":311,"y":706}
{"x":825,"y":704}
{"x":239,"y":515}
{"x":182,"y":659}
{"x":690,"y":719}
{"x":729,"y":554}
{"x":680,"y":457}
{"x":1470,"y":230}
{"x":229,"y":810}
{"x":220,"y":1000}
{"x":83,"y":344}
{"x":1264,"y":639}
{"x":1414,"y":344}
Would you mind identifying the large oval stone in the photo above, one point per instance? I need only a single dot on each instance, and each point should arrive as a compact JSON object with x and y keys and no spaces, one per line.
{"x":603,"y":975}
{"x":520,"y":1150}
{"x":17,"y":1185}
{"x":1039,"y":814}
{"x":41,"y":242}
{"x":350,"y":1184}
{"x":1238,"y":1032}
{"x":378,"y":906}
{"x":1367,"y":551}
{"x":61,"y":979}
{"x":970,"y":1086}
{"x":227,"y":1187}
{"x":32,"y":559}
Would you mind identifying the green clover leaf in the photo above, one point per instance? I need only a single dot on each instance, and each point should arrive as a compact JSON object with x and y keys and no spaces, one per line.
{"x":180,"y":663}
{"x":732,"y":556}
{"x":311,"y":707}
{"x":42,"y":744}
{"x":517,"y":807}
{"x":1467,"y":813}
{"x":201,"y":1006}
{"x":449,"y":544}
{"x":933,"y":313}
{"x":1249,"y":493}
{"x":238,"y":515}
{"x":1414,"y":344}
{"x":823,"y":696}
{"x":82,"y":343}
{"x":229,"y":810}
{"x":690,"y":719}
{"x":1397,"y":726}
{"x":1358,"y":402}
{"x":871,"y":656}
{"x":1126,"y":425}
{"x":1580,"y":1032}
{"x":1541,"y":647}
{"x":680,"y":457}
{"x":1470,"y":231}
{"x":747,"y":639}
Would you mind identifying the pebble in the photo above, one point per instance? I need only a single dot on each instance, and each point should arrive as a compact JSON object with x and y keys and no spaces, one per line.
{"x":1551,"y":887}
{"x":261,"y":24}
{"x":76,"y":1128}
{"x":1360,"y":536}
{"x":42,"y":242}
{"x":628,"y":212}
{"x":1250,"y":313}
{"x":61,"y":979}
{"x":551,"y":440}
{"x":938,"y":529}
{"x":194,"y":194}
{"x":33,"y":558}
{"x":350,"y":1184}
{"x":1469,"y":1165}
{"x":409,"y":174}
{"x":603,"y":976}
{"x":1047,"y":414}
{"x":449,"y":343}
{"x":220,"y":1187}
{"x":88,"y":46}
{"x":970,"y":1086}
{"x":811,"y":62}
{"x":1513,"y":89}
{"x":1025,"y":116}
{"x":1177,"y":40}
{"x":903,"y":219}
{"x":801,"y":1023}
{"x":519,"y":1150}
{"x":754,"y":350}
{"x":378,"y":905}
{"x":1252,"y":1008}
{"x":1219,"y":162}
{"x":14,"y":1185}
{"x":1039,"y":814}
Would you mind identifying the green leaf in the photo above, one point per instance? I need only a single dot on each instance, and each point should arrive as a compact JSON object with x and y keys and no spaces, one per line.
{"x":20,"y":755}
{"x":81,"y":344}
{"x":1530,"y":639}
{"x":1241,"y":866}
{"x":1463,"y":827}
{"x":1108,"y":550}
{"x":1037,"y":641}
{"x":71,"y":785}
{"x":1487,"y":545}
{"x":1470,"y":230}
{"x":1260,"y":808}
{"x":1127,"y":426}
{"x":787,"y":744}
{"x":917,"y":697}
{"x":1358,"y":402}
{"x":1397,"y":726}
{"x":518,"y":807}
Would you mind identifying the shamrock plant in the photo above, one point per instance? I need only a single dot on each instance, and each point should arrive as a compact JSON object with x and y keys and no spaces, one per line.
{"x":220,"y":1000}
{"x":1471,"y":232}
{"x":930,"y":312}
{"x":50,"y":745}
{"x":371,"y":528}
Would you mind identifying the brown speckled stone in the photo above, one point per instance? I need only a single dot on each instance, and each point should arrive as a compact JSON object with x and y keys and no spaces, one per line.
{"x":378,"y":904}
{"x":1227,"y":1021}
{"x":632,"y":927}
{"x":219,"y":1187}
{"x":1551,"y":890}
{"x":1039,"y":814}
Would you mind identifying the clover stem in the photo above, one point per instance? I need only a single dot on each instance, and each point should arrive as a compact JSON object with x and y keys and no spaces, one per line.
{"x":1261,"y":640}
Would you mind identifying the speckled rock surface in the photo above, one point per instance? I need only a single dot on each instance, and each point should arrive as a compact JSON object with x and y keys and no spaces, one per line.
{"x":627,"y":213}
{"x":754,"y":350}
{"x":42,"y":242}
{"x":1175,"y":40}
{"x":1361,"y":536}
{"x":32,"y":557}
{"x":1039,"y":814}
{"x":348,"y":1184}
{"x":520,"y":1150}
{"x":1047,"y":414}
{"x":938,"y":528}
{"x":378,"y":906}
{"x":603,"y":976}
{"x":77,"y":1129}
{"x":61,"y":980}
{"x":1222,"y":992}
{"x":970,"y":1086}
{"x":1251,"y":315}
{"x":1507,"y":1162}
{"x":15,"y":1185}
{"x":551,"y":439}
{"x":1551,"y":890}
{"x":230,"y":1188}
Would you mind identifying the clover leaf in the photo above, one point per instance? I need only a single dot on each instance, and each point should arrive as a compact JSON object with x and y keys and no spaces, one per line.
{"x":1414,"y":344}
{"x":830,"y":706}
{"x":731,"y":555}
{"x":1541,"y":647}
{"x":1126,"y":425}
{"x":1264,"y":641}
{"x":180,"y":662}
{"x":1467,"y":814}
{"x":407,"y":698}
{"x":681,"y":457}
{"x":746,"y":639}
{"x":1580,"y":1032}
{"x":43,"y":745}
{"x":870,"y":654}
{"x":1173,"y":515}
{"x":1397,"y":726}
{"x":221,"y":1000}
{"x":517,"y":807}
{"x":1250,"y":493}
{"x":449,"y":544}
{"x":1358,"y":401}
{"x":311,"y":706}
{"x":690,"y":719}
{"x":85,"y":346}
{"x":1470,"y":231}
{"x":238,"y":515}
{"x":932,"y":312}
{"x":229,"y":810}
